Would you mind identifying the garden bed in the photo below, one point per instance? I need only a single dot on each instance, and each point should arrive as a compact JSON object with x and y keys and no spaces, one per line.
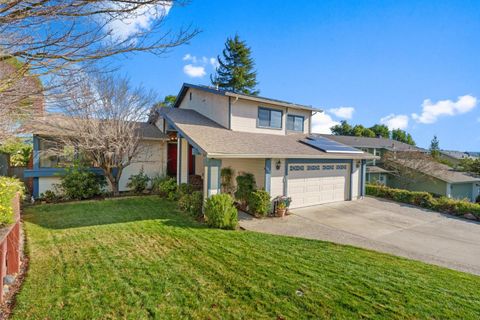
{"x":459,"y":208}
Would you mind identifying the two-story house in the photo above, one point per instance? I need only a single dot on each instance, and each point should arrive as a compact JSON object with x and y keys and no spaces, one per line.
{"x":212,"y":129}
{"x":209,"y":129}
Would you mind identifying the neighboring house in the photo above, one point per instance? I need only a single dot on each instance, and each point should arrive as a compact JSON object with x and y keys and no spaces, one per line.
{"x":47,"y":168}
{"x":435,"y":178}
{"x":440,"y":179}
{"x":208,"y":129}
{"x":454,"y":157}
{"x":377,"y":147}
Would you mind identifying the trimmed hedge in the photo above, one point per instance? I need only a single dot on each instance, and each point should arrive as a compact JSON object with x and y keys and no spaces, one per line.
{"x":8,"y":189}
{"x":425,"y":200}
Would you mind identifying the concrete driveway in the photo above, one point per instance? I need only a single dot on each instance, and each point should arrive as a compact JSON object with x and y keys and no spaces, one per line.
{"x":384,"y":226}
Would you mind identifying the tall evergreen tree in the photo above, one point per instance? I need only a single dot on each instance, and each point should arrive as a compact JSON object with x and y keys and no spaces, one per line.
{"x":435,"y":147}
{"x":236,"y":69}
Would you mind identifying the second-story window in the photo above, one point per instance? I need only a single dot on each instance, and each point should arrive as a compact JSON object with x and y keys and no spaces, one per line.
{"x":269,"y":118}
{"x":295,"y":123}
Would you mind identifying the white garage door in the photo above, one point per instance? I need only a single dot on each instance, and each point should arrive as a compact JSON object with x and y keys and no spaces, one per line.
{"x":311,"y":184}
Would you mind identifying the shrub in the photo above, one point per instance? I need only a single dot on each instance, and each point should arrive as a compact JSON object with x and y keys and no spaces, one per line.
{"x":8,"y":189}
{"x":226,"y":175}
{"x":156,"y":183}
{"x":79,"y":183}
{"x":220,"y":212}
{"x":138,"y":182}
{"x":50,"y":196}
{"x":185,"y":188}
{"x":477,"y":200}
{"x":246,"y":184}
{"x":259,"y":203}
{"x":425,"y":200}
{"x":166,"y":187}
{"x":192,"y":203}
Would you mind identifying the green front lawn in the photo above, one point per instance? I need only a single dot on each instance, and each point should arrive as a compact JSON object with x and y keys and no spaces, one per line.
{"x":140,"y":258}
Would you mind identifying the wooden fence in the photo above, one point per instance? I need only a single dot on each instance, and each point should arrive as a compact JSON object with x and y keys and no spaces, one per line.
{"x":10,"y":246}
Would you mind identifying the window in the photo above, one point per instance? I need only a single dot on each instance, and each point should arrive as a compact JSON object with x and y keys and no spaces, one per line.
{"x":295,"y":123}
{"x":51,"y":154}
{"x":269,"y":118}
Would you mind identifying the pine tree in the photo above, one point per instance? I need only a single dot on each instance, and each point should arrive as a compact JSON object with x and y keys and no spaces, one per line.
{"x":236,"y":70}
{"x":435,"y":147}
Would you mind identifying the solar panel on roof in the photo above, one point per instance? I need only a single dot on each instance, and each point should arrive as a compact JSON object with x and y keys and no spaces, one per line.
{"x":327,"y":145}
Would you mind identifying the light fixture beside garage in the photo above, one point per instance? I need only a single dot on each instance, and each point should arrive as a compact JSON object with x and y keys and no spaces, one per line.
{"x":278,"y":164}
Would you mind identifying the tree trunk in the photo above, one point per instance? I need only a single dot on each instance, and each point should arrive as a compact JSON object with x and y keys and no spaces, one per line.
{"x":115,"y":188}
{"x":113,"y":180}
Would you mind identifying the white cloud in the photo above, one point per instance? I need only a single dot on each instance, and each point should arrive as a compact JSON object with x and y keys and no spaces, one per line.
{"x":432,"y":111}
{"x":194,"y":71}
{"x":214,"y":63}
{"x":393,"y":121}
{"x":140,"y":20}
{"x":343,"y":112}
{"x":322,"y":122}
{"x":197,"y":66}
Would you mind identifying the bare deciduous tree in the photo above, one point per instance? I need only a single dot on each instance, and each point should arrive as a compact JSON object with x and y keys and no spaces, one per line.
{"x":408,"y":166}
{"x":48,"y":37}
{"x":102,"y":118}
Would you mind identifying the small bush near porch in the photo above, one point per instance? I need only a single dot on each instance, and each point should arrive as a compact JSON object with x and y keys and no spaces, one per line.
{"x":140,"y":258}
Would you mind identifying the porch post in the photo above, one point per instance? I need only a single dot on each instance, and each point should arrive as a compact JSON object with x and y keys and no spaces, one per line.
{"x":364,"y":175}
{"x":268,"y":174}
{"x":182,"y":160}
{"x":212,"y":175}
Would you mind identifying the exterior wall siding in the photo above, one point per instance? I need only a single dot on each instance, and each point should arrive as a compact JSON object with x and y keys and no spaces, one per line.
{"x":277,"y":179}
{"x":254,"y":166}
{"x":431,"y":185}
{"x":212,"y":106}
{"x":462,"y":191}
{"x":356,"y":186}
{"x":153,"y":161}
{"x":245,"y":114}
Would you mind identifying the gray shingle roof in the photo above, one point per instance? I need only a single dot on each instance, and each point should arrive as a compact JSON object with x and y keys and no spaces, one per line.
{"x":381,"y":143}
{"x":59,"y":125}
{"x":375,"y":169}
{"x":217,"y":141}
{"x":442,"y":172}
{"x":455,"y":154}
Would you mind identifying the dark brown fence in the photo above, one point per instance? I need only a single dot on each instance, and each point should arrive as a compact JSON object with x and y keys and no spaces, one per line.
{"x":10,"y":246}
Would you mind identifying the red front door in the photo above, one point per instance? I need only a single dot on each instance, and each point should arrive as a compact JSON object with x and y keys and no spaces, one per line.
{"x":172,"y":160}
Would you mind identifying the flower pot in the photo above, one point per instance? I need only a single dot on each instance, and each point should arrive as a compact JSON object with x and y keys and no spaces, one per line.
{"x":281,"y":212}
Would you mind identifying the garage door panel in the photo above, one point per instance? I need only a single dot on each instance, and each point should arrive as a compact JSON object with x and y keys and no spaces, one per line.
{"x":311,"y":187}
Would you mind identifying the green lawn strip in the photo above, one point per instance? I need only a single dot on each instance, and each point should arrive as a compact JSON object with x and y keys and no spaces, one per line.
{"x":140,"y":258}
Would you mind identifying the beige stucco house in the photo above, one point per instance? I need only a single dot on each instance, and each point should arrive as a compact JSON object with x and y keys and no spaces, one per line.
{"x":209,"y":129}
{"x":212,"y":129}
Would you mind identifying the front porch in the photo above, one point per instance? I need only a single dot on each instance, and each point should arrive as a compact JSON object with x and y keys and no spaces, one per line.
{"x":190,"y":162}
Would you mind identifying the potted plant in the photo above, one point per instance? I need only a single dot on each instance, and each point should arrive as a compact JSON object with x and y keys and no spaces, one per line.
{"x":281,"y":209}
{"x":281,"y":205}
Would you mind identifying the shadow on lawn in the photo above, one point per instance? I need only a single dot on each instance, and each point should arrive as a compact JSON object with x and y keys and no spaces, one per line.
{"x":110,"y":211}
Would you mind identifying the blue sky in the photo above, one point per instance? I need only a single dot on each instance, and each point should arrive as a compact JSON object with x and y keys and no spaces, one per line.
{"x":383,"y":60}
